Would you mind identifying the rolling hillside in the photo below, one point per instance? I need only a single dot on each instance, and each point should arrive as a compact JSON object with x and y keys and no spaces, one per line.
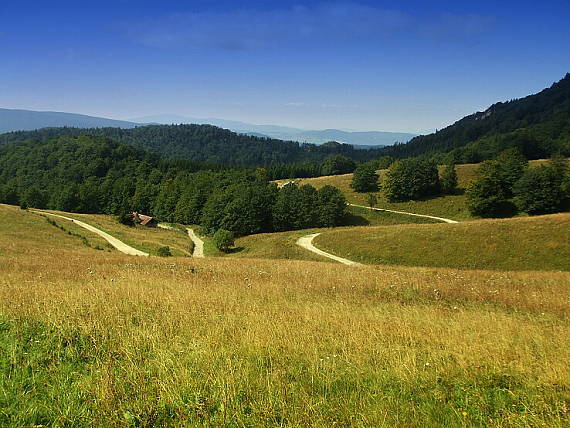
{"x":99,"y":338}
{"x":536,"y":243}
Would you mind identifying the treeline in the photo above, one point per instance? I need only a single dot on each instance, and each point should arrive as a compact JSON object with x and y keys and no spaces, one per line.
{"x":206,"y":143}
{"x":406,"y":179}
{"x":333,"y":165}
{"x":98,"y":175}
{"x":538,"y":126}
{"x":507,"y":185}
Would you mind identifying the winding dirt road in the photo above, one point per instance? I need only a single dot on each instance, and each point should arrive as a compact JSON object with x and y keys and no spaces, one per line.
{"x":307,"y":243}
{"x":119,"y":245}
{"x":445,"y":220}
{"x":198,"y":244}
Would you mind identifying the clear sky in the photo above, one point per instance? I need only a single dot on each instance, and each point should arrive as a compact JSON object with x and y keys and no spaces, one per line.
{"x":384,"y":65}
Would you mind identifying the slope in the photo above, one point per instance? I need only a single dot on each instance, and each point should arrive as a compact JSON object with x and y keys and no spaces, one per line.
{"x":536,"y":243}
{"x":91,"y":338}
{"x":538,"y":125}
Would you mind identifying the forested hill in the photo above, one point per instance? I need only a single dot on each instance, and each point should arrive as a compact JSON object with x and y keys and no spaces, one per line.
{"x":538,"y":125}
{"x":205,"y":143}
{"x":98,"y":175}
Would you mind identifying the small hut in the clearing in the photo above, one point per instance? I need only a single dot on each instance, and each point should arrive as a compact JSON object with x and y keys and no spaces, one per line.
{"x":144,"y":220}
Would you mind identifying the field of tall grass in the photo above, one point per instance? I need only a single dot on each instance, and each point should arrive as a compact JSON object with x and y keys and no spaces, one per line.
{"x":95,"y":338}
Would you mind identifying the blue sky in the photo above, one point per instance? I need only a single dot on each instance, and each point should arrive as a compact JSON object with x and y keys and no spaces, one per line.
{"x":399,"y":66}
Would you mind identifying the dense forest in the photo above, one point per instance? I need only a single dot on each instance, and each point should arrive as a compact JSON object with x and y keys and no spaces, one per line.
{"x":538,"y":126}
{"x":205,"y":143}
{"x":99,"y":175}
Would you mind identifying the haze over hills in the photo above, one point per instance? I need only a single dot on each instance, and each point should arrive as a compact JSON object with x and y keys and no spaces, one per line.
{"x":366,"y":138}
{"x":28,"y":120}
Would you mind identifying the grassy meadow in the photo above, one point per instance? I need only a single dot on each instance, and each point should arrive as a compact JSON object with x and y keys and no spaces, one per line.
{"x":528,"y":243}
{"x":96,"y":338}
{"x":147,"y":239}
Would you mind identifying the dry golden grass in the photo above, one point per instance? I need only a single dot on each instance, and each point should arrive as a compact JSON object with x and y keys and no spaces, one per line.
{"x":95,"y":338}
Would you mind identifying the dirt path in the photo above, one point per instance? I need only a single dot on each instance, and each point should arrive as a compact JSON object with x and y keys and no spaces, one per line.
{"x":198,"y":244}
{"x":307,"y":243}
{"x":119,"y":245}
{"x":445,"y":220}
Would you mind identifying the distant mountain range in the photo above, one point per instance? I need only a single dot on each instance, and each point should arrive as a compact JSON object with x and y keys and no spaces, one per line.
{"x":28,"y":120}
{"x":366,"y":138}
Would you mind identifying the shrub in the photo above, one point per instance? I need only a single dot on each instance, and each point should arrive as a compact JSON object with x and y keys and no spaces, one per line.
{"x":223,"y":240}
{"x":126,"y":218}
{"x":164,"y":252}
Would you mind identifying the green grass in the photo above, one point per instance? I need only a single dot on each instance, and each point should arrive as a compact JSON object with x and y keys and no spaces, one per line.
{"x":280,"y":245}
{"x":147,"y":239}
{"x":532,"y":243}
{"x":365,"y":217}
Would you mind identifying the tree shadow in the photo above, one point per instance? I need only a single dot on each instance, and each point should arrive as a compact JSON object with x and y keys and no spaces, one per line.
{"x":356,"y":220}
{"x":235,"y":250}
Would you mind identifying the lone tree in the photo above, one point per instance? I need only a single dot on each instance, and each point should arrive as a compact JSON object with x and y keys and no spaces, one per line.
{"x":365,"y":178}
{"x":223,"y":240}
{"x":449,"y":179}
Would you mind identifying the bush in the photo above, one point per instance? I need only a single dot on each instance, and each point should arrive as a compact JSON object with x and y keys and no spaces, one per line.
{"x":126,"y":218}
{"x":223,"y":240}
{"x":365,"y":178}
{"x":164,"y":252}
